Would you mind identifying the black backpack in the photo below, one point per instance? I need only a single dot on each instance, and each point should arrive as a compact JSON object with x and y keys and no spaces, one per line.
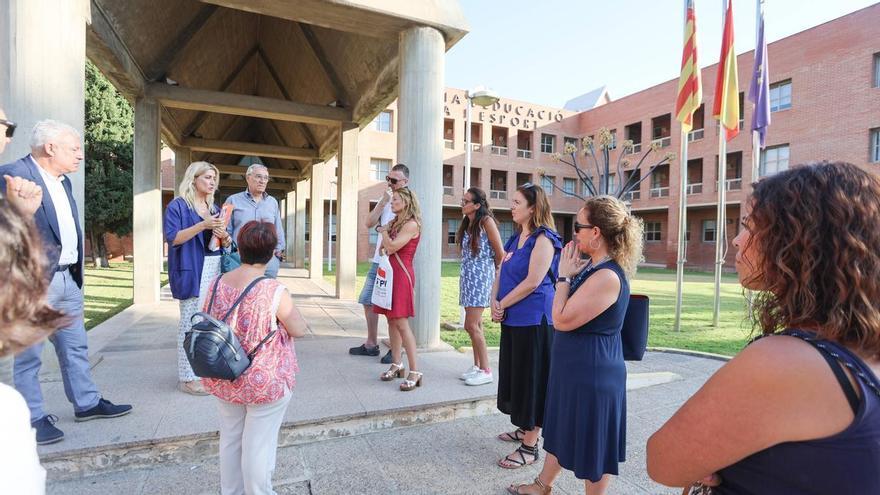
{"x":211,"y":346}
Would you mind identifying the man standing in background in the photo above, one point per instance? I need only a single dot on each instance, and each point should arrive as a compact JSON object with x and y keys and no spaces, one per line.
{"x":256,"y":204}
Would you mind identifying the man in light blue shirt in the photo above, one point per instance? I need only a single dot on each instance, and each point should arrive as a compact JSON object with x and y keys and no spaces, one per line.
{"x":255,"y":204}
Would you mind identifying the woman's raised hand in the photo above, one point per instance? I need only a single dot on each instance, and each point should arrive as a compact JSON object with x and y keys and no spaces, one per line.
{"x":570,"y":262}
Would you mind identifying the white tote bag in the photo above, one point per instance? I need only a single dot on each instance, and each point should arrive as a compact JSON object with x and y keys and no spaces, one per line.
{"x":383,"y":284}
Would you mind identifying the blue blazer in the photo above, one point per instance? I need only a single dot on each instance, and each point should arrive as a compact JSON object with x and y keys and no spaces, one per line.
{"x":185,"y":261}
{"x":46,"y":219}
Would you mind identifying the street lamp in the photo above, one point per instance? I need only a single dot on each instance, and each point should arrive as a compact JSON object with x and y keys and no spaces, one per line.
{"x":483,"y":97}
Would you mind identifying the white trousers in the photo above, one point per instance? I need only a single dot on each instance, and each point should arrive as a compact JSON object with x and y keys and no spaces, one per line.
{"x":248,"y":443}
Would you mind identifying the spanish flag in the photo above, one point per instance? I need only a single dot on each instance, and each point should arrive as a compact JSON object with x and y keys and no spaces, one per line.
{"x":690,"y":86}
{"x":726,"y":109}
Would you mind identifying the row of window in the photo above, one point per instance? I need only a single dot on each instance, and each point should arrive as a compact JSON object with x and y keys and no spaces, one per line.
{"x":653,"y":231}
{"x":452,"y":224}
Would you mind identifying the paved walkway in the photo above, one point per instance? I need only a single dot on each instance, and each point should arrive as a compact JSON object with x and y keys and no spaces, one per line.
{"x":345,"y":431}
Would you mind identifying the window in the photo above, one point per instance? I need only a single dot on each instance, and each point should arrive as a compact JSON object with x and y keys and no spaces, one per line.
{"x":548,"y":143}
{"x":568,"y":185}
{"x":379,"y":168}
{"x":332,"y":227}
{"x":382,"y":122}
{"x":660,"y":182}
{"x":506,"y":230}
{"x":498,"y":184}
{"x":875,"y":145}
{"x":661,"y":130}
{"x":448,"y":180}
{"x":522,"y":178}
{"x":708,"y":230}
{"x":780,"y":96}
{"x":524,"y":144}
{"x":374,"y":236}
{"x":570,"y":141}
{"x":698,"y":121}
{"x":453,"y":224}
{"x":547,"y":183}
{"x":307,"y":229}
{"x":633,"y":132}
{"x":475,"y":177}
{"x":774,"y":159}
{"x":613,"y":144}
{"x":449,"y":134}
{"x":652,"y":232}
{"x":877,"y":70}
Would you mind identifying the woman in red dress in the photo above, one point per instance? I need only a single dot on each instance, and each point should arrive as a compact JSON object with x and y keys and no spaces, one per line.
{"x":399,"y":241}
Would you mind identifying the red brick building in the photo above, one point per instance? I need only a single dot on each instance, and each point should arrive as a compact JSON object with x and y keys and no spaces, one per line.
{"x":825,"y":97}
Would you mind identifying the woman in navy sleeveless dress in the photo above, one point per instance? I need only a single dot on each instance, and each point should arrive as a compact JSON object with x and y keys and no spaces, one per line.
{"x":798,"y":411}
{"x":585,"y":410}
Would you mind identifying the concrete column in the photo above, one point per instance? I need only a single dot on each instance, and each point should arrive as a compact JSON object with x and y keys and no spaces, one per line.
{"x":420,"y":147}
{"x":290,"y":224}
{"x":347,"y":211}
{"x":182,"y":159}
{"x":147,"y":201}
{"x":316,"y":223}
{"x":42,"y":72}
{"x":299,"y":236}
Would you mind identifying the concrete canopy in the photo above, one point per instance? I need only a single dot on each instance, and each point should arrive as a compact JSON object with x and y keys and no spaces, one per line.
{"x":268,"y":78}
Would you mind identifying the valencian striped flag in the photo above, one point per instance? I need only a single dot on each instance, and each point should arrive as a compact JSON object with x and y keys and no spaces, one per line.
{"x":690,"y":86}
{"x":726,"y":108}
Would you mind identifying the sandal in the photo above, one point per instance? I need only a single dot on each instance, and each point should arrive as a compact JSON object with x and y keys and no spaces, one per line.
{"x":516,"y":435}
{"x":542,"y":488}
{"x":395,"y":371}
{"x":413,"y":380}
{"x":510,"y":462}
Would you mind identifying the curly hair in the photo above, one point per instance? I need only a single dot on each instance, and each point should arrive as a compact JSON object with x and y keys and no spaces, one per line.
{"x":622,"y":231}
{"x":410,"y":212}
{"x":25,"y":316}
{"x":814,"y":229}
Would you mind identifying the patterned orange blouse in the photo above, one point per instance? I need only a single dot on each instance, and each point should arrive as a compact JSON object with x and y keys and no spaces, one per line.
{"x":273,"y":370}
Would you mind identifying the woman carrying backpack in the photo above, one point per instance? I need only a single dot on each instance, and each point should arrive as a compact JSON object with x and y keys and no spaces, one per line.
{"x":252,"y":406}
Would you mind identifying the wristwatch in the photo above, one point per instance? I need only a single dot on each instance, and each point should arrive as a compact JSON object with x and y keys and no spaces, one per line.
{"x":559,"y":280}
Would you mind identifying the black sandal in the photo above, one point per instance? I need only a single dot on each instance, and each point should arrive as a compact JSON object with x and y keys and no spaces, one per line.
{"x":523,"y":451}
{"x":516,"y":435}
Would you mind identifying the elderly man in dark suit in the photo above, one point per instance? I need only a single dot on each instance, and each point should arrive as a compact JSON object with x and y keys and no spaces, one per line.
{"x":56,"y":150}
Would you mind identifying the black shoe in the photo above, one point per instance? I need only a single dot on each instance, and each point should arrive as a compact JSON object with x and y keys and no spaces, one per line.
{"x":46,"y":431}
{"x":386,"y":359}
{"x":104,"y":409}
{"x":363,"y":350}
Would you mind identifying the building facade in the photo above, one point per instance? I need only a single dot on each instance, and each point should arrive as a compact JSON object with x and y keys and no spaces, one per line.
{"x":825,"y":102}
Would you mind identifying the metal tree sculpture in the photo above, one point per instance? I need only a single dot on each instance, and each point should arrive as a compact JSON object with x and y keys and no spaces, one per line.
{"x":619,"y":188}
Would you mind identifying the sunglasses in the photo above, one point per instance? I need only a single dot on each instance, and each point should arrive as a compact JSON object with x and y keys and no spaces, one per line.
{"x":578,"y":226}
{"x":392,"y":180}
{"x":527,"y":185}
{"x":10,"y":127}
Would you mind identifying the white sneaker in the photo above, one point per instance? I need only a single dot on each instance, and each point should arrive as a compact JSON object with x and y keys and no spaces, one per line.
{"x":473,"y":370}
{"x":480,"y":378}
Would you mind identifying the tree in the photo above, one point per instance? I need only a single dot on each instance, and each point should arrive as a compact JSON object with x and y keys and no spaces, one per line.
{"x":109,"y":132}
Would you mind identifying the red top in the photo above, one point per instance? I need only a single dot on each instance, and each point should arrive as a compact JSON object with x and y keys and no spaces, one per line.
{"x":402,"y":304}
{"x":273,"y":369}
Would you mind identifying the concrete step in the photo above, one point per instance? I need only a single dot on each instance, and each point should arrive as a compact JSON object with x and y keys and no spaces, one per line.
{"x":79,"y":463}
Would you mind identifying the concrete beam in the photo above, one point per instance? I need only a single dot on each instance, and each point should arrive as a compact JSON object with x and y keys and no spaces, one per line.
{"x":303,"y":129}
{"x":245,"y":149}
{"x":246,"y":105}
{"x":274,"y":186}
{"x":281,"y":173}
{"x":324,"y":61}
{"x":147,"y":214}
{"x":182,"y":159}
{"x":105,"y":48}
{"x":290,"y":224}
{"x":347,"y":218}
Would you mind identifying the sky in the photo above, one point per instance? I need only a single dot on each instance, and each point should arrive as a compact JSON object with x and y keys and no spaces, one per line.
{"x":549,"y":51}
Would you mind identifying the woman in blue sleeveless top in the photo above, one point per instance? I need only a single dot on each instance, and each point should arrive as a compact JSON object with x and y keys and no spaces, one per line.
{"x":798,"y":411}
{"x":585,"y":412}
{"x":521,"y":300}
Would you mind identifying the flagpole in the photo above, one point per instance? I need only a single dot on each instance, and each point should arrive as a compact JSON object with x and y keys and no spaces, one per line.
{"x":682,"y":212}
{"x":756,"y":136}
{"x":722,"y":189}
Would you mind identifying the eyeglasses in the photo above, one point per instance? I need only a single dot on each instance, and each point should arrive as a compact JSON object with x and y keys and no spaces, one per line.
{"x":261,"y":178}
{"x":465,"y":201}
{"x":579,"y":226}
{"x":10,"y":127}
{"x":391,"y":180}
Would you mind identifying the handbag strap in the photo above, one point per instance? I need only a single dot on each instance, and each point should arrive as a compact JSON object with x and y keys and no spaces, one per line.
{"x":257,"y":348}
{"x":240,"y":297}
{"x":405,"y":271}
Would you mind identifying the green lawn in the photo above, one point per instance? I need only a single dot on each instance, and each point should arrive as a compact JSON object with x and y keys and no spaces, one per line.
{"x":696,"y":333}
{"x":108,"y":291}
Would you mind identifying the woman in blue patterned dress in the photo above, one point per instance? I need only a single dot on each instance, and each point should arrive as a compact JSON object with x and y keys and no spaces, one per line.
{"x":481,"y":252}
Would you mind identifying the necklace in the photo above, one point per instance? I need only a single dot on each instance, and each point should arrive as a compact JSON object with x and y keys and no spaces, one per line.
{"x":590,"y":266}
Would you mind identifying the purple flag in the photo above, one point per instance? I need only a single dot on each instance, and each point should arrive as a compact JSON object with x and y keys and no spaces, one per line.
{"x":759,"y":90}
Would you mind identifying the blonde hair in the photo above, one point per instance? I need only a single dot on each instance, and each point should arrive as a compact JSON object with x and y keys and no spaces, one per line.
{"x":410,"y":212}
{"x":623,"y":232}
{"x":537,"y":199}
{"x":187,"y":190}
